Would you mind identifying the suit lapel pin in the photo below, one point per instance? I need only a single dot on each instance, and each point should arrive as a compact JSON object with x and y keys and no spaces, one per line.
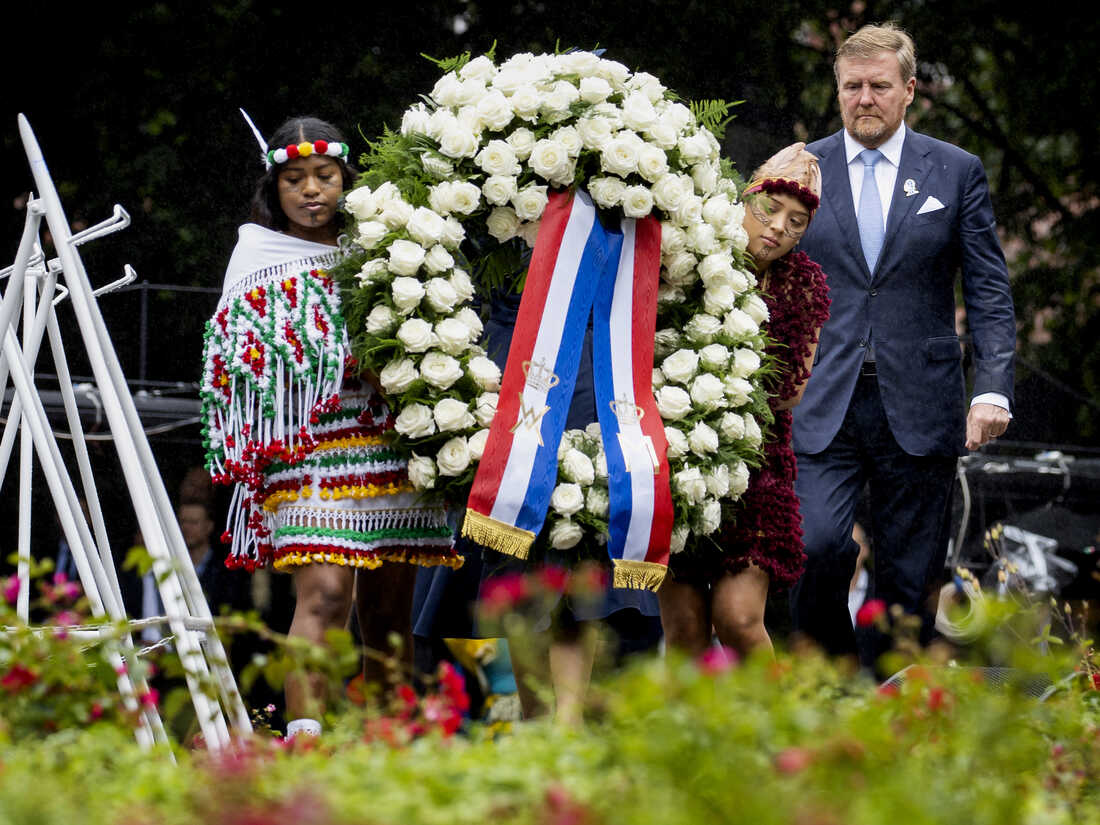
{"x":910,"y":188}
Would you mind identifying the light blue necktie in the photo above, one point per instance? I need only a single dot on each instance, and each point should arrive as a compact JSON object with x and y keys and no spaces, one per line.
{"x":871,"y":230}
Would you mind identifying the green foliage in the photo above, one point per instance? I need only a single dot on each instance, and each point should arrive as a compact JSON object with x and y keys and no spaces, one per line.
{"x":714,"y":115}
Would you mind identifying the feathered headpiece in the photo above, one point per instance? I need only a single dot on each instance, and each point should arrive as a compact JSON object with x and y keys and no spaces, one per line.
{"x":790,"y":171}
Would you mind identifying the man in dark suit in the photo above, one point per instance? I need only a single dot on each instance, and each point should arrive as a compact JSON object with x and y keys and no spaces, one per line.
{"x":901,"y":216}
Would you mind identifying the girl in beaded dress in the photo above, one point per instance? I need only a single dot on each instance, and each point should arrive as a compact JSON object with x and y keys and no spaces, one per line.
{"x":724,"y":585}
{"x":287,"y":423}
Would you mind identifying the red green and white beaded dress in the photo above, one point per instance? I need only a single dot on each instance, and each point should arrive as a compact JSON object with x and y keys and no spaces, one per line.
{"x":297,"y":435}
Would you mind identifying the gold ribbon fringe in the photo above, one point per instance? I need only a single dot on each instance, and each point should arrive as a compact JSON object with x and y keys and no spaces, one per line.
{"x":496,"y":535}
{"x":638,"y":575}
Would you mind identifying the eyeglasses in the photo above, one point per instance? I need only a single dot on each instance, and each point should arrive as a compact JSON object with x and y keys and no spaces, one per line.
{"x":790,"y":229}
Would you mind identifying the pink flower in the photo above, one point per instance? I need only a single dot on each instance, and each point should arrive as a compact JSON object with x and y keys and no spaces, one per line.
{"x":11,"y":589}
{"x":717,"y":659}
{"x":503,"y":593}
{"x":870,"y":612}
{"x":150,"y":698}
{"x":97,"y":710}
{"x":792,"y":760}
{"x":554,"y":579}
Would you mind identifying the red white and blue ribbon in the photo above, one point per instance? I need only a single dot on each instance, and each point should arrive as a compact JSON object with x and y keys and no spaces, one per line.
{"x":578,"y":263}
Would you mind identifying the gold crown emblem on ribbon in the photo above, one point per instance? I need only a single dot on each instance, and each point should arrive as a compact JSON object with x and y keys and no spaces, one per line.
{"x":626,"y":411}
{"x":540,"y":376}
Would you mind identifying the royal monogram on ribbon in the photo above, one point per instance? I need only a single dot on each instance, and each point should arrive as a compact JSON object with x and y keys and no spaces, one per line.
{"x":581,"y":269}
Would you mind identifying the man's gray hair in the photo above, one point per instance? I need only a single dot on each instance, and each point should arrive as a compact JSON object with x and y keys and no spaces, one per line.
{"x":885,"y":37}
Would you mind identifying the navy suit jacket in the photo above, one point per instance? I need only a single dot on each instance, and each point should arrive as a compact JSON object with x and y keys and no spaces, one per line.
{"x":906,"y":307}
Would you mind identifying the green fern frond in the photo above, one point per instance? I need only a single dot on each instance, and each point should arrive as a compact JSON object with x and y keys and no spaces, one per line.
{"x":714,"y":114}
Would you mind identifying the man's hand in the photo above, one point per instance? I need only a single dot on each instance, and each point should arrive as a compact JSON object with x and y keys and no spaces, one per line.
{"x":985,"y":422}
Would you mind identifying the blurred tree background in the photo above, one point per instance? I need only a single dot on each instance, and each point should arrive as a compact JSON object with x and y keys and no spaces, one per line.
{"x":136,"y":103}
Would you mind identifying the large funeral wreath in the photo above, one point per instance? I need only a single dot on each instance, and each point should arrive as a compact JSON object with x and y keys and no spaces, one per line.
{"x":445,"y":209}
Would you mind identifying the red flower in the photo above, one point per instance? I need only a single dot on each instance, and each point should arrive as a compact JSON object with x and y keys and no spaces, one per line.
{"x":554,"y":578}
{"x":502,"y":593}
{"x":17,"y":678}
{"x":717,"y":659}
{"x":869,"y":613}
{"x":1096,"y":681}
{"x":150,"y":698}
{"x":11,"y":589}
{"x":97,"y":710}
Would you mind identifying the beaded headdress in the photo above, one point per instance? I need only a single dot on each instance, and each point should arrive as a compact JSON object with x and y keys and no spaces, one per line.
{"x":790,"y":171}
{"x":281,"y":154}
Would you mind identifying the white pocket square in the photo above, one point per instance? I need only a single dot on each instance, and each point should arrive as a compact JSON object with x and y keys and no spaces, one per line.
{"x":930,"y":205}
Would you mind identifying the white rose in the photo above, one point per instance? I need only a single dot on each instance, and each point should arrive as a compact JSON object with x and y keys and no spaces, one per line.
{"x":739,"y":478}
{"x":702,"y":439}
{"x":370,"y":233}
{"x":405,"y":257}
{"x":671,"y":191}
{"x":676,"y":113}
{"x":480,"y":68}
{"x":668,"y":294}
{"x":718,"y":481}
{"x":702,"y":239}
{"x":677,"y":442}
{"x":731,"y":427}
{"x":716,"y":269}
{"x":425,"y":226}
{"x":567,"y":499}
{"x":665,"y":341}
{"x":673,"y":403}
{"x":422,"y":472}
{"x":663,"y":134}
{"x":579,"y":63}
{"x":613,"y":71}
{"x":652,"y":163}
{"x":680,"y":535}
{"x":438,"y":259}
{"x":577,"y":467}
{"x":690,"y":211}
{"x":415,"y":421}
{"x":463,"y":286}
{"x":690,"y":485}
{"x":565,"y":533}
{"x":568,"y":137}
{"x":569,"y":440}
{"x":709,"y":517}
{"x":439,"y":369}
{"x":719,"y":299}
{"x":592,"y":429}
{"x":717,"y":211}
{"x":694,"y":148}
{"x":451,"y":414}
{"x":596,"y":501}
{"x":494,"y":110}
{"x":398,"y":375}
{"x":702,"y":328}
{"x":738,"y":324}
{"x":673,"y":239}
{"x":550,"y":160}
{"x":503,"y":223}
{"x":453,"y":457}
{"x":606,"y":192}
{"x":360,"y":203}
{"x":453,"y":234}
{"x":648,"y":85}
{"x":595,"y":132}
{"x":556,"y":103}
{"x":658,"y":379}
{"x":594,"y":89}
{"x":753,"y":435}
{"x":381,"y":320}
{"x":446,"y":90}
{"x":471,"y":91}
{"x":529,"y":232}
{"x":745,"y":362}
{"x":436,"y":166}
{"x":499,"y":189}
{"x":530,"y":202}
{"x":477,"y":444}
{"x":485,"y":408}
{"x":458,"y":141}
{"x":453,"y":336}
{"x":371,"y":270}
{"x":601,"y":465}
{"x":416,"y":335}
{"x":498,"y":158}
{"x":637,"y":201}
{"x":707,"y":391}
{"x":755,"y":308}
{"x":440,"y":294}
{"x":407,"y":293}
{"x":705,"y":176}
{"x":680,"y":366}
{"x":522,"y":141}
{"x":465,"y":197}
{"x":485,"y":372}
{"x":638,"y":113}
{"x":714,"y":357}
{"x":739,"y":281}
{"x":526,"y":101}
{"x":472,"y":321}
{"x":680,"y":268}
{"x":395,"y":213}
{"x":620,"y":156}
{"x":738,"y":390}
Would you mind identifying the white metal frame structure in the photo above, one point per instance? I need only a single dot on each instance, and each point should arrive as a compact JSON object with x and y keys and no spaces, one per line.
{"x":32,"y":291}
